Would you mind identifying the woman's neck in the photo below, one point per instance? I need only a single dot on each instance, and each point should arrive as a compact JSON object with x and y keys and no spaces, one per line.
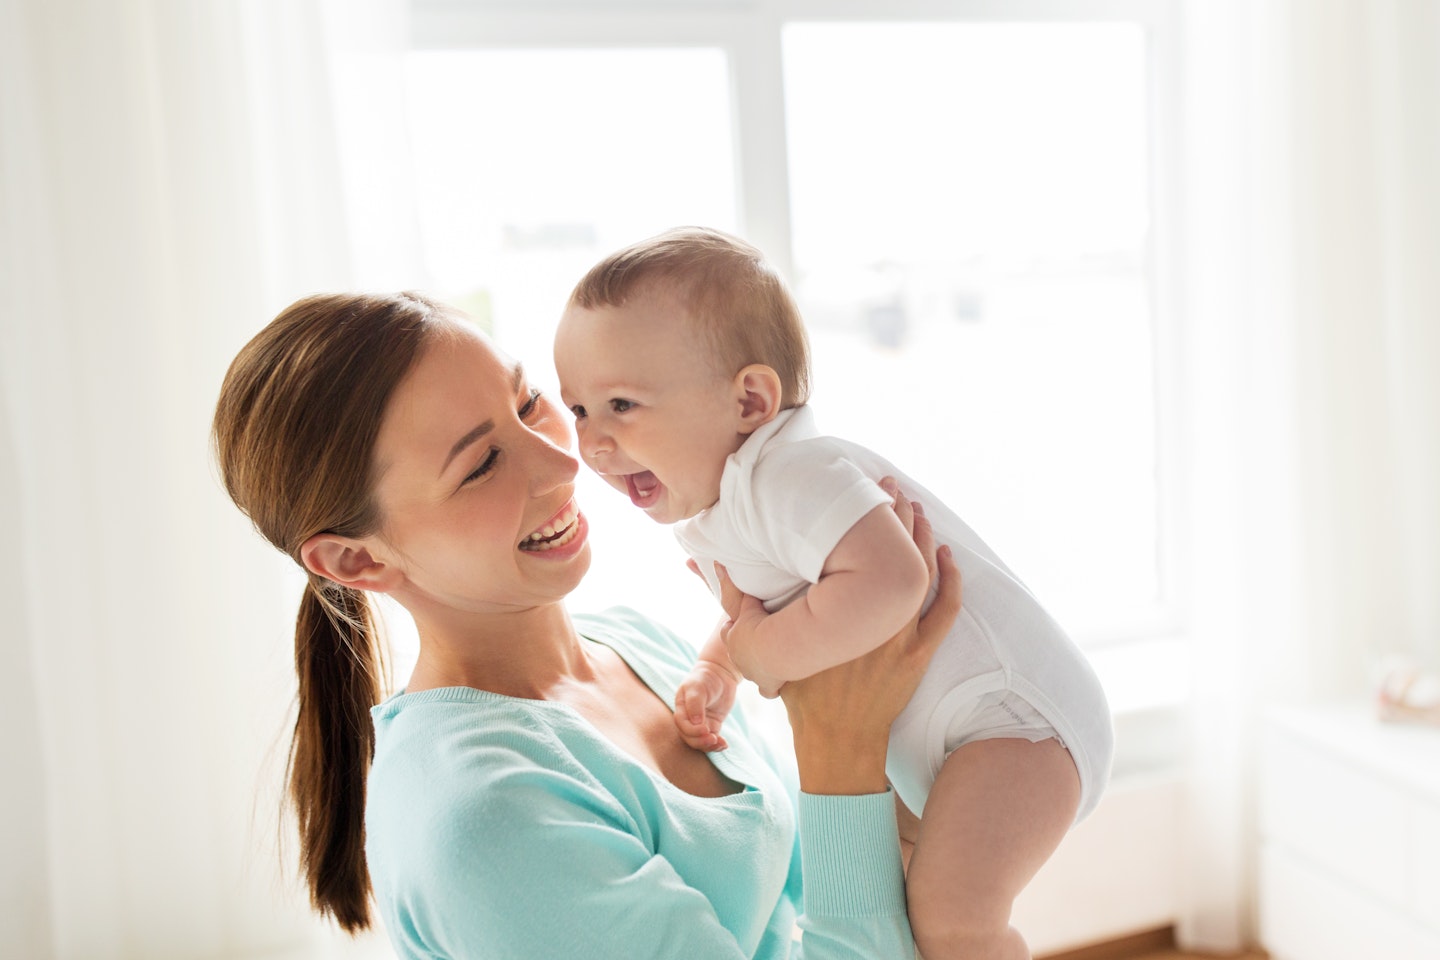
{"x":527,"y":653}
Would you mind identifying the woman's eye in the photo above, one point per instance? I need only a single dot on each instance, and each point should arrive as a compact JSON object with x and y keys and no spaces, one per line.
{"x":530,"y":404}
{"x":579,"y":411}
{"x":485,"y":467}
{"x":620,"y":406}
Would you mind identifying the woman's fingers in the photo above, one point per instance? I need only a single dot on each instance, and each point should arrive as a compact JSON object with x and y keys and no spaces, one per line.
{"x":924,"y":535}
{"x":735,"y":601}
{"x":938,"y":620}
{"x":903,"y":506}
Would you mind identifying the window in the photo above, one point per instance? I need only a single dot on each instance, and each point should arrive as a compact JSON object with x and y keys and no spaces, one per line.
{"x":970,"y":215}
{"x":965,"y":207}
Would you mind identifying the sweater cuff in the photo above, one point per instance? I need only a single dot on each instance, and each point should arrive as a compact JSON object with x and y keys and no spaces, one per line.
{"x":850,"y":855}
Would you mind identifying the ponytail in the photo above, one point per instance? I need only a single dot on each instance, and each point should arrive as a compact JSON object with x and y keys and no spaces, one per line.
{"x":341,"y":667}
{"x":295,"y":430}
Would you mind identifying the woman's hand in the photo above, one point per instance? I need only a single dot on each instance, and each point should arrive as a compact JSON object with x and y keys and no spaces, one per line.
{"x":841,"y":717}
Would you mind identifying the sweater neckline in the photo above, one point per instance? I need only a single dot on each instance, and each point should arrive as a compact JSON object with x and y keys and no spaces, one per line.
{"x":726,"y":761}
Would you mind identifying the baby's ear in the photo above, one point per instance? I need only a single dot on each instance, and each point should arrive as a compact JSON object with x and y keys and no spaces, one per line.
{"x":758,"y":389}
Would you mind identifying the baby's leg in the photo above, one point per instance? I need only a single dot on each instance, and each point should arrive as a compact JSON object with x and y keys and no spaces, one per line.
{"x":998,"y":810}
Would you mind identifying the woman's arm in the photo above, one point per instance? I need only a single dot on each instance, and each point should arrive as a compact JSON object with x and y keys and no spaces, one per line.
{"x":549,"y":873}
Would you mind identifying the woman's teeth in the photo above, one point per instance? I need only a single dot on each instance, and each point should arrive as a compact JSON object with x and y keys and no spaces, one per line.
{"x":546,"y":537}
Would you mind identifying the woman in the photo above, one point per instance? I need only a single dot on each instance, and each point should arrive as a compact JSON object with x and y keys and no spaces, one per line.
{"x":529,"y":795}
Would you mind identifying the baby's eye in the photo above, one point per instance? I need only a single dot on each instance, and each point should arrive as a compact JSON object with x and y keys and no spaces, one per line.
{"x":620,"y":406}
{"x":530,"y":405}
{"x":579,"y":411}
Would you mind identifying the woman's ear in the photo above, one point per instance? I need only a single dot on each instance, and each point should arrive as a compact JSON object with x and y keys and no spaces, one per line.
{"x":758,"y":389}
{"x":348,"y":562}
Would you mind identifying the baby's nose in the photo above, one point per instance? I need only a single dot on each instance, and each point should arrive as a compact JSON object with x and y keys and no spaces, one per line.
{"x":594,"y":441}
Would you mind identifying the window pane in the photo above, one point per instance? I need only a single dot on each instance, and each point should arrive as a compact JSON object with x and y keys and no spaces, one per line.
{"x":530,"y":166}
{"x":970,"y":207}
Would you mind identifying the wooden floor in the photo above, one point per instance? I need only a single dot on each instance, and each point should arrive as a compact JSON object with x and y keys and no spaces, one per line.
{"x":1151,"y":945}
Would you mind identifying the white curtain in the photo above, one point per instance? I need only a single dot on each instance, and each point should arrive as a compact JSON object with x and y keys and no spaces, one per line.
{"x":1312,"y":353}
{"x":170,"y":174}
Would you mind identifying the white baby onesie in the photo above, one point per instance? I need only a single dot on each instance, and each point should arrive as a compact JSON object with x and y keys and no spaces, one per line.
{"x":788,"y":495}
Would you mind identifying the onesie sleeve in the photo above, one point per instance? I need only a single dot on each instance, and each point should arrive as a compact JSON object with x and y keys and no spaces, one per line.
{"x":806,"y":496}
{"x":536,"y":868}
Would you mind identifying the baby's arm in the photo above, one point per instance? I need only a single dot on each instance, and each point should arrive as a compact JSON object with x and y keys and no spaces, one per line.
{"x":707,"y":694}
{"x":870,"y":586}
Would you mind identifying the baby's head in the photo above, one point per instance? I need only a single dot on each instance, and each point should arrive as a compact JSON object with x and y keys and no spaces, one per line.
{"x":670,"y":353}
{"x":737,"y":308}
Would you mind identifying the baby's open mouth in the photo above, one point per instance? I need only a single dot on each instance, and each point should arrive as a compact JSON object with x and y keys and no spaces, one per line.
{"x":558,"y":531}
{"x":644,"y":488}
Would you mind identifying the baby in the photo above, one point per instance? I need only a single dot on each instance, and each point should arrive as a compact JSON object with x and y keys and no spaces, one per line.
{"x":685,"y":362}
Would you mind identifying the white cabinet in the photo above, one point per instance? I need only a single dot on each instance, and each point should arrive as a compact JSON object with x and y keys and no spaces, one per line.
{"x":1350,"y":837}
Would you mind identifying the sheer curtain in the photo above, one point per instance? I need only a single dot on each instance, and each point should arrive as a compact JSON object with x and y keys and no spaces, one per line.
{"x":170,"y":176}
{"x":1312,"y":360}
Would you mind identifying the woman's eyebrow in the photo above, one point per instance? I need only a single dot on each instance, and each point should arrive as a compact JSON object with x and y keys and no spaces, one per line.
{"x":516,"y":378}
{"x":464,"y":442}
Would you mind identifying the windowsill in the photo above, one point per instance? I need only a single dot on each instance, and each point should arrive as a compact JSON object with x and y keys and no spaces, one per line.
{"x":1143,"y":675}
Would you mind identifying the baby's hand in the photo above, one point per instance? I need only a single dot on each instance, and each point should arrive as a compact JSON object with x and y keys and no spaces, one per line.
{"x":702,"y":704}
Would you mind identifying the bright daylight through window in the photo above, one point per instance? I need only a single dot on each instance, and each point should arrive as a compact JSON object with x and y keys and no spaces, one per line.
{"x":970,"y":217}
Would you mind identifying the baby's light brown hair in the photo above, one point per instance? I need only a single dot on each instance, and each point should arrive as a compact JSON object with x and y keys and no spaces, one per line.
{"x":739,"y":304}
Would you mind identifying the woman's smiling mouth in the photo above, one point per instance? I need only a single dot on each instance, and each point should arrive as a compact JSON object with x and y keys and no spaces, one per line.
{"x":558,"y":531}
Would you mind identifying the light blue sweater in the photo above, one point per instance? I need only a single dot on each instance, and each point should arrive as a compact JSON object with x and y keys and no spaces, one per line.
{"x":509,"y":828}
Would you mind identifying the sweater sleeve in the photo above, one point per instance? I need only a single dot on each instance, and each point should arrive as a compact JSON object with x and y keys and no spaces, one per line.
{"x":537,"y":868}
{"x":854,"y":886}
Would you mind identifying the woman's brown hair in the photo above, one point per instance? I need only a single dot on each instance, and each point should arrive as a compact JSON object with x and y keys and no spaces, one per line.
{"x":294,"y":436}
{"x":737,"y":300}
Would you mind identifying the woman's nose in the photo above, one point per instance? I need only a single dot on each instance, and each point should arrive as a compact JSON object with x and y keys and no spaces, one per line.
{"x":552,"y":463}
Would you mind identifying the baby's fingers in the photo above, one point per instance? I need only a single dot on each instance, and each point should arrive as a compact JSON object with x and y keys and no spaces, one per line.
{"x":695,"y":732}
{"x":690,"y":703}
{"x":701,"y":739}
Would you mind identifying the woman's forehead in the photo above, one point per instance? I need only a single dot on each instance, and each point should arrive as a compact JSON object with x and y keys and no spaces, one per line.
{"x":457,"y":382}
{"x":465,"y":354}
